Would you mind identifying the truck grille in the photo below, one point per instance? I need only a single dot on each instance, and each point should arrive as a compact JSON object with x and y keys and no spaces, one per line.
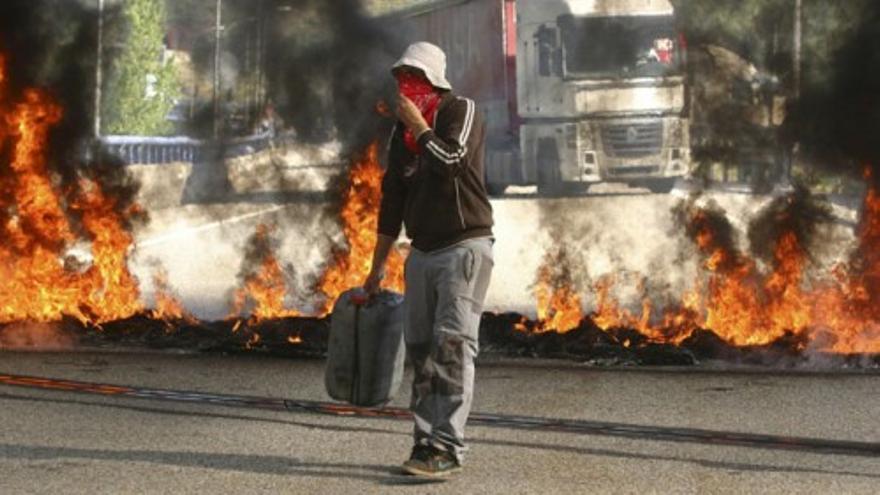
{"x":621,"y":171}
{"x":632,"y":140}
{"x":646,"y":170}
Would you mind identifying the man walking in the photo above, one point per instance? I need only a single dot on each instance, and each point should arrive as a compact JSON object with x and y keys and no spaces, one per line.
{"x":434,"y":187}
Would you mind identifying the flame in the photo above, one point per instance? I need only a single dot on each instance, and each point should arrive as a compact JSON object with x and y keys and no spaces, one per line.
{"x":850,"y":305}
{"x":40,"y":280}
{"x":743,"y":305}
{"x":360,"y":217}
{"x":836,"y":313}
{"x":559,"y":305}
{"x":731,"y":300}
{"x":609,"y":314}
{"x":167,"y":307}
{"x":111,"y":289}
{"x":265,"y":287}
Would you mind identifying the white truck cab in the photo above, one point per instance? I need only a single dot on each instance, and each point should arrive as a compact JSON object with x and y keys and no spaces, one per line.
{"x":601,"y":93}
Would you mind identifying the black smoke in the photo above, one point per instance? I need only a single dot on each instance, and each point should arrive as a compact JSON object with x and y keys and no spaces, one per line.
{"x":52,"y":45}
{"x":837,"y":124}
{"x":325,"y":66}
{"x":328,"y":80}
{"x":800,"y":214}
{"x":709,"y":227}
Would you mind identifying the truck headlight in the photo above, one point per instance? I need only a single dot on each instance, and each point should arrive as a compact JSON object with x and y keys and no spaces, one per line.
{"x":590,"y":158}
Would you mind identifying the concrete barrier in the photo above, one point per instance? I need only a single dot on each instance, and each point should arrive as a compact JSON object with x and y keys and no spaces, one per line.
{"x":177,"y":170}
{"x":162,"y":186}
{"x":287,"y":168}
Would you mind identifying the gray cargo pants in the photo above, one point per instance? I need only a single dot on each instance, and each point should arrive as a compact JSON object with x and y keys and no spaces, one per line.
{"x":445,"y":290}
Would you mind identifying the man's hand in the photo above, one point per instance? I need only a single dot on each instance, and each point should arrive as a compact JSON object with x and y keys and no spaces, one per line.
{"x":411,"y":116}
{"x":374,"y":279}
{"x":377,"y":271}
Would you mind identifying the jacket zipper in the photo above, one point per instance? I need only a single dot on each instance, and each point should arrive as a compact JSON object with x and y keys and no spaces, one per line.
{"x":458,"y":204}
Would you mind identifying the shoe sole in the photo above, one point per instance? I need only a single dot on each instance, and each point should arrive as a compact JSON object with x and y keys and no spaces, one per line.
{"x":430,"y":474}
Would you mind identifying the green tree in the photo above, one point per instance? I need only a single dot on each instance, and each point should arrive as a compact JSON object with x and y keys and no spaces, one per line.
{"x":142,"y":85}
{"x":759,"y":30}
{"x":762,"y":31}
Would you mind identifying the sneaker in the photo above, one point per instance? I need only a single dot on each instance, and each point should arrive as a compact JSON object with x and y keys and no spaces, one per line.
{"x":431,"y":462}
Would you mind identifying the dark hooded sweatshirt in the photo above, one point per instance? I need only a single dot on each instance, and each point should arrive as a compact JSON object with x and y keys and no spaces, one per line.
{"x":438,"y":194}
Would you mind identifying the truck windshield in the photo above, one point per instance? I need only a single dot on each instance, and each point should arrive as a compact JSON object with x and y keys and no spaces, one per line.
{"x":632,"y":46}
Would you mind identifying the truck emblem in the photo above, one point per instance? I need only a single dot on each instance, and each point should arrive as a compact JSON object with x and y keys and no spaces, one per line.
{"x":632,"y":135}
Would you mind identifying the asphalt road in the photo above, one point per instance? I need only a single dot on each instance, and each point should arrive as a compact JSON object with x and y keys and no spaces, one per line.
{"x":67,"y":442}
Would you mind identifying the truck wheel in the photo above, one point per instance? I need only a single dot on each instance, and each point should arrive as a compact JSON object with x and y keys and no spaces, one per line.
{"x":660,"y":186}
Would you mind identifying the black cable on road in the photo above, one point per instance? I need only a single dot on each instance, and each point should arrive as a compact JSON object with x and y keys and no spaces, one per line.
{"x":582,"y":427}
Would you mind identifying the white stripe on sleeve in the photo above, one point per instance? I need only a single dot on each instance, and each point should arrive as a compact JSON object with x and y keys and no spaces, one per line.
{"x":467,"y":126}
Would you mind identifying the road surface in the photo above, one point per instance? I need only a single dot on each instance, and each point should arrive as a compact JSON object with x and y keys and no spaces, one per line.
{"x":67,"y":442}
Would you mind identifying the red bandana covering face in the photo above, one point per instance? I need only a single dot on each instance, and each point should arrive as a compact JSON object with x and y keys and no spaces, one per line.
{"x":424,"y":95}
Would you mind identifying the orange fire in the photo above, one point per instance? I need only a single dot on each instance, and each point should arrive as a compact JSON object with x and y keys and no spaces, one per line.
{"x":850,"y":306}
{"x":264,"y":288}
{"x":730,"y":303}
{"x":111,"y":289}
{"x":40,"y":280}
{"x":559,"y":305}
{"x":167,"y":307}
{"x":609,"y":314}
{"x":359,"y":216}
{"x":744,"y":306}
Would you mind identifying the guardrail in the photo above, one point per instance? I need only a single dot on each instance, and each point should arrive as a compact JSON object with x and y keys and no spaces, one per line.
{"x":159,"y":150}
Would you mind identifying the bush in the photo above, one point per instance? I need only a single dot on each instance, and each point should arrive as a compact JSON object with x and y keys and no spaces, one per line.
{"x":142,"y":85}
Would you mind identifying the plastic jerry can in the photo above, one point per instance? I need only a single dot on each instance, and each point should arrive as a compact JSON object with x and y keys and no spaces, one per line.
{"x":366,"y":350}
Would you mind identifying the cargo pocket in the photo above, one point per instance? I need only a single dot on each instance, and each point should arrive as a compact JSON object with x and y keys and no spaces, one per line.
{"x":423,"y":375}
{"x":449,"y":365}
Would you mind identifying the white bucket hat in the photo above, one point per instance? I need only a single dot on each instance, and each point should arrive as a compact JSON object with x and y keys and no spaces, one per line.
{"x":430,"y":59}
